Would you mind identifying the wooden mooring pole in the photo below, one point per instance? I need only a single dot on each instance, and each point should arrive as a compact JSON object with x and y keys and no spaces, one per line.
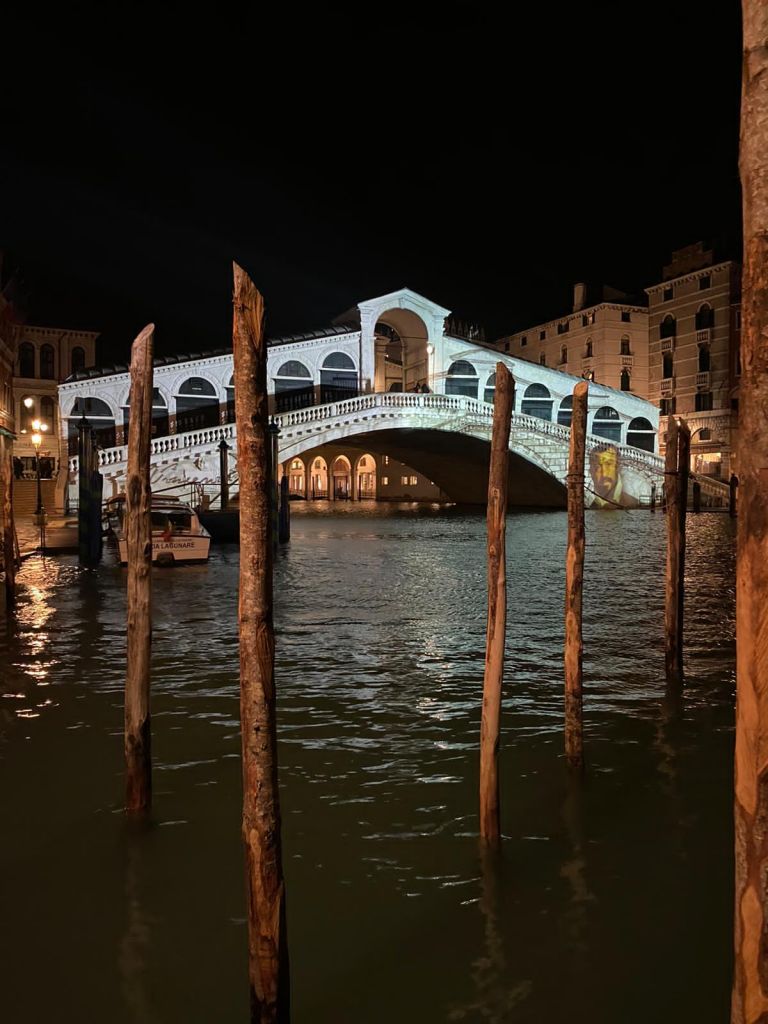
{"x":750,"y":980}
{"x":574,"y":580}
{"x":138,"y":515}
{"x":6,"y":500}
{"x":498,"y":480}
{"x":733,"y":486}
{"x":267,"y":942}
{"x":284,"y":533}
{"x":676,"y":470}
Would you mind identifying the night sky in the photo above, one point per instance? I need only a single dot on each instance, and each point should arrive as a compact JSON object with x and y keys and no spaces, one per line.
{"x":487,"y":156}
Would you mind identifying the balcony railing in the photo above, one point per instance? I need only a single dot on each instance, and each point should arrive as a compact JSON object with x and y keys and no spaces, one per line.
{"x":704,"y":336}
{"x":703,"y":379}
{"x":668,"y":344}
{"x":628,"y":361}
{"x":667,"y":385}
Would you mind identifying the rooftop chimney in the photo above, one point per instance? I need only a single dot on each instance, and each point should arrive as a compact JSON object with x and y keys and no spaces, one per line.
{"x":579,"y":296}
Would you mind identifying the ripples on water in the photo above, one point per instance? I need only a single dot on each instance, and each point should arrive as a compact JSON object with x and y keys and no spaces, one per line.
{"x":611,"y":900}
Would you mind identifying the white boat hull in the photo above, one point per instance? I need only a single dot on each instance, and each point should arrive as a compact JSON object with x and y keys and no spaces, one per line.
{"x":188,"y":548}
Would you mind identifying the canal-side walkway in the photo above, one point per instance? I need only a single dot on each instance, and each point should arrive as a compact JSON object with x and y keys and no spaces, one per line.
{"x":60,"y":535}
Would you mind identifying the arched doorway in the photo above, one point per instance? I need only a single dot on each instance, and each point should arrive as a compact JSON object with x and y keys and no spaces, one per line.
{"x":100,"y":417}
{"x":293,"y":386}
{"x":318,"y":478}
{"x":159,"y":416}
{"x":338,"y":378}
{"x":462,"y":379}
{"x":296,"y":478}
{"x":402,"y":361}
{"x":197,"y":405}
{"x":341,"y":478}
{"x":365,"y":471}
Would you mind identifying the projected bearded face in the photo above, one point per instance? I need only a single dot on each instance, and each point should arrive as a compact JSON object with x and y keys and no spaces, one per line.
{"x":605,"y":471}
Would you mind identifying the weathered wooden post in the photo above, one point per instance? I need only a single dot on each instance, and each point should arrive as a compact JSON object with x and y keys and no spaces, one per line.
{"x":498,"y":480}
{"x":653,"y":497}
{"x":267,"y":941}
{"x":6,"y":502}
{"x":95,"y":495}
{"x":223,"y":474}
{"x":733,"y":485}
{"x":750,"y":985}
{"x":138,"y":521}
{"x":285,"y":511}
{"x":274,"y":490}
{"x":574,"y":580}
{"x":676,"y":471}
{"x":696,"y":496}
{"x":84,"y":518}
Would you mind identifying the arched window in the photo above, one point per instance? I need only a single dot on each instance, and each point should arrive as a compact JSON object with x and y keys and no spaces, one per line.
{"x":625,"y":381}
{"x":588,"y":349}
{"x":100,"y":417}
{"x":704,"y":363}
{"x":78,"y":359}
{"x":668,"y":327}
{"x":563,"y":354}
{"x":160,"y":424}
{"x":705,"y":317}
{"x":640,"y":434}
{"x":48,"y":412}
{"x":197,"y":405}
{"x":489,"y":394}
{"x":293,"y":386}
{"x":565,"y":412}
{"x":47,"y":362}
{"x":537,"y":402}
{"x":338,"y":378}
{"x":461,"y":379}
{"x":230,"y":393}
{"x":26,"y":359}
{"x":607,"y":423}
{"x":667,"y":365}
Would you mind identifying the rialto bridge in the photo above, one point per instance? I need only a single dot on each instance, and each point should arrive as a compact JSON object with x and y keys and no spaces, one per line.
{"x":388,"y":380}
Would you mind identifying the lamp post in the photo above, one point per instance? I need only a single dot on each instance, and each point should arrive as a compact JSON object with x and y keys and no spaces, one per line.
{"x":39,"y":429}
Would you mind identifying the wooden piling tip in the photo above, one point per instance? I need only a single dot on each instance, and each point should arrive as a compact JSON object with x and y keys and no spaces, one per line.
{"x":141,"y":337}
{"x":581,"y":388}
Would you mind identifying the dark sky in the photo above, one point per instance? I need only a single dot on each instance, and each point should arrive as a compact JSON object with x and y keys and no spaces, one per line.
{"x":487,"y":156}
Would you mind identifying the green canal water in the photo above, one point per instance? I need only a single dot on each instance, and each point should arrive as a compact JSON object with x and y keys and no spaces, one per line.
{"x":610,"y":901}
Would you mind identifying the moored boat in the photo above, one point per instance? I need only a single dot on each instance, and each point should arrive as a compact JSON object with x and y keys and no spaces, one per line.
{"x":177,"y":533}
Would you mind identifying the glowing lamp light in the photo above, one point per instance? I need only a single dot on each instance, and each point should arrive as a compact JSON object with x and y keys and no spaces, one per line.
{"x":36,"y":425}
{"x":37,"y":440}
{"x":28,"y":402}
{"x":430,"y":349}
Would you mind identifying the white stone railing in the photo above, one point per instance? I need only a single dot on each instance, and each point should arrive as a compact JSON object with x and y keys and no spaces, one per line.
{"x":394,"y":400}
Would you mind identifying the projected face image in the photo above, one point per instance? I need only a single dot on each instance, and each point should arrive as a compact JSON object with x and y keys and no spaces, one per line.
{"x":605,"y":471}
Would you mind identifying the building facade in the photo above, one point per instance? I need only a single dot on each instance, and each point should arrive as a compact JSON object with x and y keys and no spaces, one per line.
{"x":606,"y":342}
{"x":694,"y":338}
{"x":45,"y":356}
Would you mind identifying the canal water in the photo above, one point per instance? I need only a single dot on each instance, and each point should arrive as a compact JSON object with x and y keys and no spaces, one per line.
{"x":610,"y":901}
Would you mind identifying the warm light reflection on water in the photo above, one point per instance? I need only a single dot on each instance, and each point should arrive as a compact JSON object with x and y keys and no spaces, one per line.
{"x":392,"y":915}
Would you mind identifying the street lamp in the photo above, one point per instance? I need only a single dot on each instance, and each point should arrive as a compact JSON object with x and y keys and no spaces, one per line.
{"x":39,"y":429}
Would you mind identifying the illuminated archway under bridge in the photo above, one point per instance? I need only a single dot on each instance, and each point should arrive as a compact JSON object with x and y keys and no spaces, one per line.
{"x":446,"y":437}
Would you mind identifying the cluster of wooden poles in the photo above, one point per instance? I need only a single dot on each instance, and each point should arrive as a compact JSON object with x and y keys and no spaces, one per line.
{"x":676,"y":499}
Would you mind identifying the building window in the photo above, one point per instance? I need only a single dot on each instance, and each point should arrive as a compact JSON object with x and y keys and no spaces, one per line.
{"x":626,"y":316}
{"x":704,"y":358}
{"x":667,"y":365}
{"x":668,"y":327}
{"x":506,"y":346}
{"x":413,"y":480}
{"x":563,"y":328}
{"x":537,"y":402}
{"x":705,"y":317}
{"x":489,"y":393}
{"x":543,"y":359}
{"x":563,"y":354}
{"x":386,"y":460}
{"x":565,"y":412}
{"x":625,"y":351}
{"x":588,"y":349}
{"x":625,"y":381}
{"x":47,"y":412}
{"x":703,"y":401}
{"x":705,"y":282}
{"x":461,"y":379}
{"x":403,"y":480}
{"x":523,"y":341}
{"x":587,"y":319}
{"x":607,"y":424}
{"x":26,"y":359}
{"x":668,"y":294}
{"x":78,"y":359}
{"x":542,"y":335}
{"x":46,"y":362}
{"x":667,"y":406}
{"x":385,"y":481}
{"x":640,"y":434}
